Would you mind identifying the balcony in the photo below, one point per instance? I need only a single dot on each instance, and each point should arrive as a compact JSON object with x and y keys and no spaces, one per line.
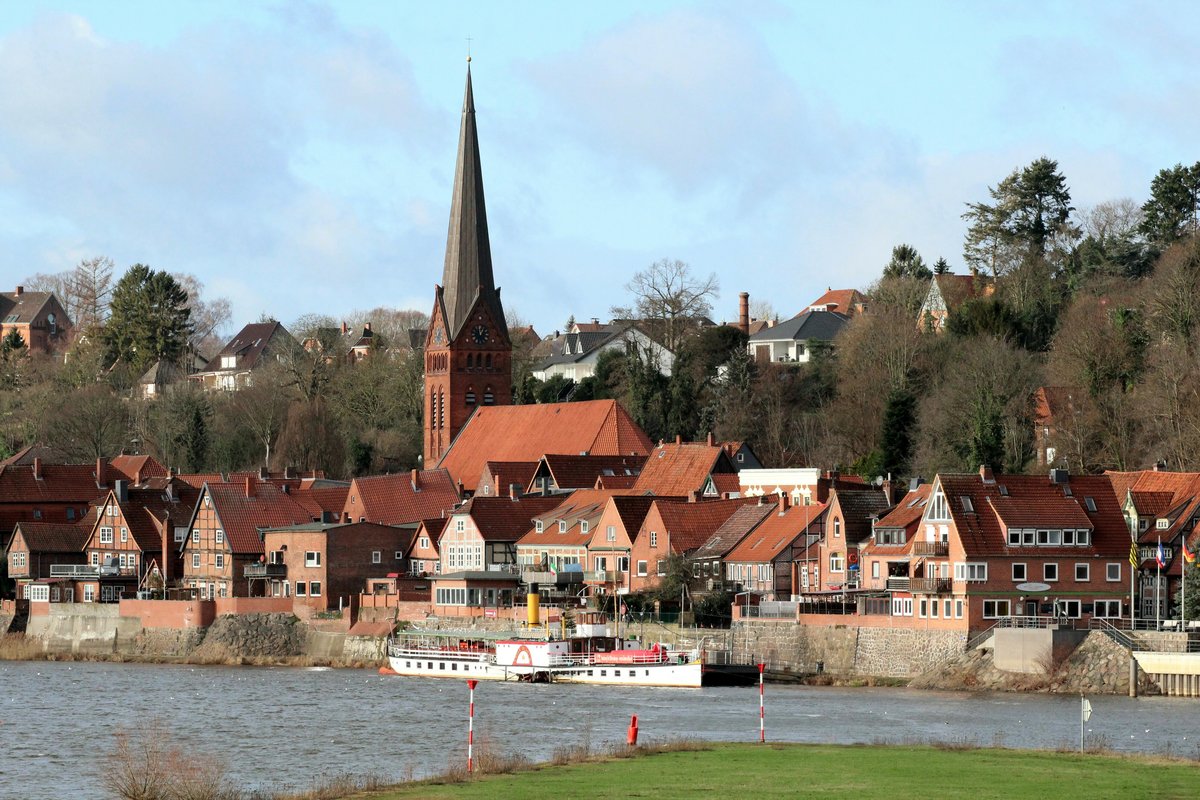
{"x":929,"y":585}
{"x":601,"y":576}
{"x":931,"y":548}
{"x":265,"y":571}
{"x":86,"y":571}
{"x":898,"y":583}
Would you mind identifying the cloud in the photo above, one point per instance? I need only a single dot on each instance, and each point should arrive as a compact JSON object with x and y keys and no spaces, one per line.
{"x":692,"y":97}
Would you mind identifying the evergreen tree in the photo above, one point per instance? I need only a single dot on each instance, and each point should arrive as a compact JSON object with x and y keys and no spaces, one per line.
{"x":1173,"y":210}
{"x":192,"y":413}
{"x":1191,"y":581}
{"x":906,"y":263}
{"x":986,"y":445}
{"x":149,"y":319}
{"x":683,"y":414}
{"x":1029,"y":208}
{"x":12,"y":342}
{"x":896,"y":440}
{"x":941,"y":267}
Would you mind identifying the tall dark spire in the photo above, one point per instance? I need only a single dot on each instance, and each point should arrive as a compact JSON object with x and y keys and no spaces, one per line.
{"x":468,"y":270}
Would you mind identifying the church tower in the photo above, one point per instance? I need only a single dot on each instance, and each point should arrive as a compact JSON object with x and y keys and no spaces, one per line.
{"x":468,"y":355}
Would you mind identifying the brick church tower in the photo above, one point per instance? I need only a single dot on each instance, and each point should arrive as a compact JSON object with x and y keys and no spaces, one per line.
{"x":468,"y":354}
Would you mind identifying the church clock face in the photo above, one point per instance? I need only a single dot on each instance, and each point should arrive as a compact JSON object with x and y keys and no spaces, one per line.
{"x":439,"y":336}
{"x":480,"y":334}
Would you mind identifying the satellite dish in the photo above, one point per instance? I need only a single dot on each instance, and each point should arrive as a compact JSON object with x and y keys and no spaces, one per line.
{"x":879,"y":480}
{"x":1033,"y":587}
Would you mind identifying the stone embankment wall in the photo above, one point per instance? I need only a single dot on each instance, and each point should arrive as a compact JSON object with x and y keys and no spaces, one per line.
{"x":844,"y":650}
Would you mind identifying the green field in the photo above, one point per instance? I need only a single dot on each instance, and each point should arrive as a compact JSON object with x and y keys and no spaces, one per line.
{"x":860,"y":772}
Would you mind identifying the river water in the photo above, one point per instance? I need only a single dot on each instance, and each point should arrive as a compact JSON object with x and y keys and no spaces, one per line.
{"x":283,"y":728}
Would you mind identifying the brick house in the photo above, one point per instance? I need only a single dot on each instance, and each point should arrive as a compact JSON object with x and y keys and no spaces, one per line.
{"x":422,"y":557}
{"x":38,"y":317}
{"x":253,"y":347}
{"x":324,"y":564}
{"x":708,"y":560}
{"x":35,"y":549}
{"x":682,"y":468}
{"x":40,"y":492}
{"x":847,"y":525}
{"x":223,"y":535}
{"x":673,"y":527}
{"x":768,"y":560}
{"x":499,"y":477}
{"x":557,"y":473}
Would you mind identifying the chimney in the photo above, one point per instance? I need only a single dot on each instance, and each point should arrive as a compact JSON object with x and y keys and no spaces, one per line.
{"x":514,"y":491}
{"x":710,"y":439}
{"x":137,"y":477}
{"x":263,"y":474}
{"x":889,"y":490}
{"x":985,"y":474}
{"x":415,"y":477}
{"x":121,"y":489}
{"x":744,"y":313}
{"x":760,"y":499}
{"x":461,"y":488}
{"x":20,"y":291}
{"x":678,"y":438}
{"x":37,"y":468}
{"x":691,"y":497}
{"x":367,"y":327}
{"x":250,"y":485}
{"x":595,"y":320}
{"x":345,"y":328}
{"x":100,"y":472}
{"x":784,"y":503}
{"x":172,"y":472}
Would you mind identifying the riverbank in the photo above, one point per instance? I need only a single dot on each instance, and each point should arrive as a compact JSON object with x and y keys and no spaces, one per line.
{"x":828,"y":771}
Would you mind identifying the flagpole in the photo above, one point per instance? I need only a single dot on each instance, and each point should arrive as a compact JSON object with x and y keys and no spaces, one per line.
{"x":1158,"y":585}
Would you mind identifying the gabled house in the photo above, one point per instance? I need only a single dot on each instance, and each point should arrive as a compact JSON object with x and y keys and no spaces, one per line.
{"x":499,"y":477}
{"x":741,"y":455}
{"x":526,"y":433}
{"x":847,"y":526}
{"x":947,"y":293}
{"x":574,"y":354}
{"x":674,"y":527}
{"x":684,"y":468}
{"x":39,"y":492}
{"x":422,"y":556}
{"x":132,"y":543}
{"x":223,"y":543}
{"x":887,"y":558}
{"x":554,"y":552}
{"x":255,"y":346}
{"x":478,"y":551}
{"x":400,"y":498}
{"x":37,"y":317}
{"x":607,"y":570}
{"x":324,"y":499}
{"x":767,"y":561}
{"x":794,"y":340}
{"x":42,"y":555}
{"x":556,"y":473}
{"x":708,"y":560}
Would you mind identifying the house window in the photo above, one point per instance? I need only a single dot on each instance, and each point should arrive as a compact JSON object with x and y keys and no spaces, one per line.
{"x":695,"y":569}
{"x":583,"y":526}
{"x":939,"y":510}
{"x":424,"y":543}
{"x":314,"y":589}
{"x":1068,"y":537}
{"x":653,"y":539}
{"x":837,"y":562}
{"x":537,"y":526}
{"x":922,"y":608}
{"x":994,"y":609}
{"x":220,"y":563}
{"x":946,"y":609}
{"x":95,"y":559}
{"x":610,"y":533}
{"x":106,"y":535}
{"x":641,"y":568}
{"x":970,"y":571}
{"x":376,"y":557}
{"x":1069,"y":608}
{"x":312,"y":558}
{"x":399,"y":555}
{"x":460,"y":525}
{"x":837,"y":527}
{"x":662,"y":567}
{"x":195,"y":560}
{"x":1081,"y":537}
{"x":958,"y":609}
{"x":1112,"y":571}
{"x":70,"y":515}
{"x":1083,"y":572}
{"x":1027,"y":536}
{"x":1108,"y":609}
{"x":623,"y":564}
{"x":219,"y":536}
{"x":195,"y":536}
{"x":1019,"y":573}
{"x":124,"y":534}
{"x":874,"y":569}
{"x":562,"y":526}
{"x":1050,"y":572}
{"x":301,"y":588}
{"x":1014,"y":537}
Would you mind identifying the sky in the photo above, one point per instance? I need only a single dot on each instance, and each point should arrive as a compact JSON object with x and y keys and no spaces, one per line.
{"x":297,"y":157}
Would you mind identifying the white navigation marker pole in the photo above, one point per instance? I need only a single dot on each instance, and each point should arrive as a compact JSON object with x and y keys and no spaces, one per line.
{"x":1085,"y":713}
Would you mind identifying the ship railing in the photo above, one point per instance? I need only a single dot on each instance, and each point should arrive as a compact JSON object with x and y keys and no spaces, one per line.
{"x":589,"y":659}
{"x":458,"y":654}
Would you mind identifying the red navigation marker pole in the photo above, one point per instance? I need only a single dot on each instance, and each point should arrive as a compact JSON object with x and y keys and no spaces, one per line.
{"x":762,"y":724}
{"x":471,"y":728}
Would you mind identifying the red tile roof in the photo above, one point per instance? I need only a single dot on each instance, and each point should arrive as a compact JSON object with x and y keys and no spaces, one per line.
{"x":584,"y":504}
{"x":243,"y":516}
{"x":1051,"y":403}
{"x":776,"y":533}
{"x":502,"y":519}
{"x":580,"y":472}
{"x":138,"y":468}
{"x":681,"y":468}
{"x":144,"y":509}
{"x":612,"y":482}
{"x":526,"y":433}
{"x":981,"y":532}
{"x":393,"y":500}
{"x":322,"y":500}
{"x":843,"y":300}
{"x":907,"y":513}
{"x":740,"y":523}
{"x":52,"y":537}
{"x":501,"y":475}
{"x":690,"y":525}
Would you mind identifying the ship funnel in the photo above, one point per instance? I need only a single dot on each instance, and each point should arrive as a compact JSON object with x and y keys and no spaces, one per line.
{"x":532,"y":601}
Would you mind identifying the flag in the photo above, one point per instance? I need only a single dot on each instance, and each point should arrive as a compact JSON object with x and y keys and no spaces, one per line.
{"x":1159,"y":557}
{"x":1188,"y":555}
{"x":1133,"y":554}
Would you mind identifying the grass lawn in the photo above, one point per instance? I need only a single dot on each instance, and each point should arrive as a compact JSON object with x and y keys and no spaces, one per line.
{"x":735,"y":771}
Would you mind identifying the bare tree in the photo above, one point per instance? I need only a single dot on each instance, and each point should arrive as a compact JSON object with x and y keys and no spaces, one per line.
{"x":209,"y":317}
{"x":89,"y":289}
{"x":669,"y":299}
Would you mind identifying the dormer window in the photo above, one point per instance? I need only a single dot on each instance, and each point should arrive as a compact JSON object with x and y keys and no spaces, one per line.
{"x":1163,"y":524}
{"x":562,"y":526}
{"x":537,"y":526}
{"x":583,"y":526}
{"x":228,"y":362}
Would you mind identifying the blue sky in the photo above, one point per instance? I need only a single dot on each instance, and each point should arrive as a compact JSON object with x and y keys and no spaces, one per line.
{"x":297,"y":156}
